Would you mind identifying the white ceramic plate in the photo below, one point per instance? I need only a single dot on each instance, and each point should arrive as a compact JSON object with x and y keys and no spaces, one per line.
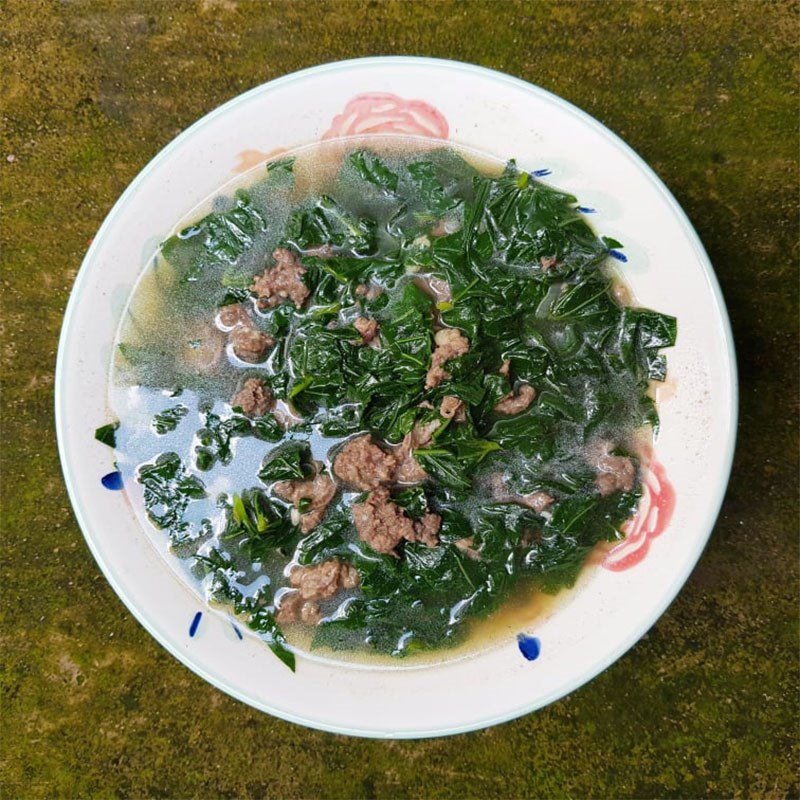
{"x":667,"y":269}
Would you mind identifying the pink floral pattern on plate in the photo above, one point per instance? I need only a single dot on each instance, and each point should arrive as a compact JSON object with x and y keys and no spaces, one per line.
{"x":383,"y":112}
{"x":653,"y":516}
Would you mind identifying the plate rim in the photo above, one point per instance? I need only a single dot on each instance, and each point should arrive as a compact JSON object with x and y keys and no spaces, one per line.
{"x":678,"y":581}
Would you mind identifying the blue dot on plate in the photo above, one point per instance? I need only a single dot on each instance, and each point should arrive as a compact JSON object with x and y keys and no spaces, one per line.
{"x":195,"y":624}
{"x":541,"y":173}
{"x":112,"y":481}
{"x":585,"y":210}
{"x":238,"y":632}
{"x":529,"y":646}
{"x":619,"y":256}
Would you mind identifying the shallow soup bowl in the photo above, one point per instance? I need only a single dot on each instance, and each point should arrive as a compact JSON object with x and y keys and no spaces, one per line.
{"x":626,"y":587}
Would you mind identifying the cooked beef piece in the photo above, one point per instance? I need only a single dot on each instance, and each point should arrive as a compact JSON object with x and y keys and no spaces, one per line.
{"x":548,"y":262}
{"x":538,"y":501}
{"x":382,"y":524}
{"x":513,"y":402}
{"x":318,"y":491}
{"x":282,"y":282}
{"x":465,"y":546}
{"x":368,"y":328}
{"x":313,"y":584}
{"x":368,"y":291}
{"x":436,"y":288}
{"x":324,"y":580}
{"x":506,"y":367}
{"x":363,"y":464}
{"x":445,"y":226}
{"x":254,"y":398}
{"x":426,"y":529}
{"x":614,"y":473}
{"x":232,"y":315}
{"x":251,"y":345}
{"x":320,"y":251}
{"x":453,"y":408}
{"x":293,"y":608}
{"x":408,"y":469}
{"x":450,"y":343}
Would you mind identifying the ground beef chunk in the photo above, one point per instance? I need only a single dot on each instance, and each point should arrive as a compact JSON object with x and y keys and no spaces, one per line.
{"x":323,"y":580}
{"x":408,"y":469}
{"x":453,"y":408}
{"x":506,"y":367}
{"x":445,"y":226}
{"x":318,"y":491}
{"x":282,"y":282}
{"x":426,"y":529}
{"x":382,"y":524}
{"x":363,"y":464}
{"x":450,"y":343}
{"x":514,"y":402}
{"x":251,"y":345}
{"x":312,"y":584}
{"x":233,"y":315}
{"x":254,"y":398}
{"x":538,"y":501}
{"x":369,"y":292}
{"x":436,"y":288}
{"x":548,"y":262}
{"x":368,"y":328}
{"x":293,"y":608}
{"x":614,"y":473}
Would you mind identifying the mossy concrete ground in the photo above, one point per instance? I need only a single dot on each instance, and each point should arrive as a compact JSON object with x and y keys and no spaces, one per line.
{"x":705,"y":705}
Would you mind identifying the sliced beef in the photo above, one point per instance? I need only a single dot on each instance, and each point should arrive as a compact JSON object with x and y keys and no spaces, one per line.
{"x":408,"y":469}
{"x":450,"y":343}
{"x":614,"y":473}
{"x":251,"y":345}
{"x":363,"y":464}
{"x":453,"y":408}
{"x":282,"y":282}
{"x":254,"y":398}
{"x":318,"y":492}
{"x":515,"y":402}
{"x":382,"y":524}
{"x":368,"y":328}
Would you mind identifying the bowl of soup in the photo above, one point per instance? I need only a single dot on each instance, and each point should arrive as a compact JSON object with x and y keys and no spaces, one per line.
{"x":390,"y":414}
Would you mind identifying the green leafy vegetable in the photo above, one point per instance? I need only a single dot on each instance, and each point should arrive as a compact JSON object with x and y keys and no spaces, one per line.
{"x":168,"y":420}
{"x":289,"y":461}
{"x":107,"y":434}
